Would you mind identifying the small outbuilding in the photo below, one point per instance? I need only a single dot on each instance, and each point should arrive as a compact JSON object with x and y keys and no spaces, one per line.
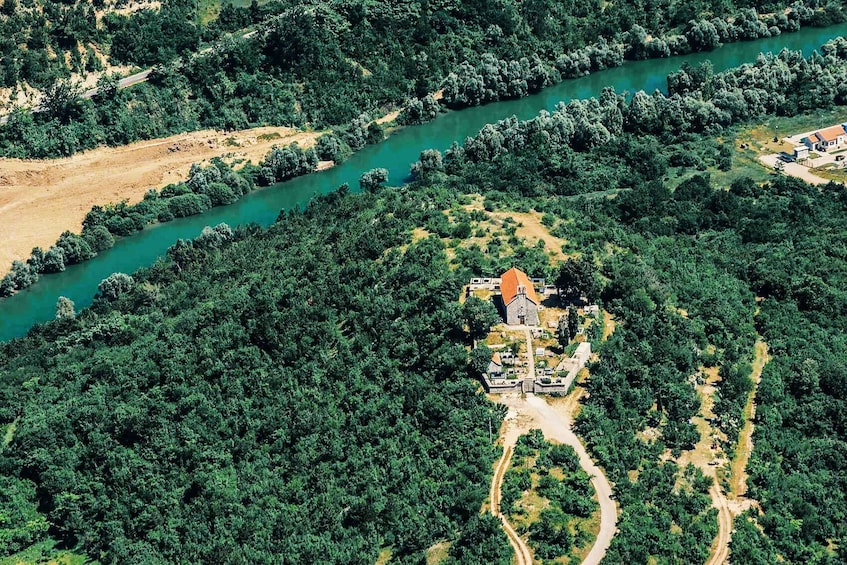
{"x":495,"y":367}
{"x":582,"y":353}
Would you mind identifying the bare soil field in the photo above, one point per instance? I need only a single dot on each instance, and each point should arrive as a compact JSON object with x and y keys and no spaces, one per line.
{"x":41,"y":199}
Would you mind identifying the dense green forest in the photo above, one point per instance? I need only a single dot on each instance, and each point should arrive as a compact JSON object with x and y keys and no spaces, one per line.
{"x":323,"y":63}
{"x":300,"y":392}
{"x":310,"y":380}
{"x":682,"y":270}
{"x":304,"y":390}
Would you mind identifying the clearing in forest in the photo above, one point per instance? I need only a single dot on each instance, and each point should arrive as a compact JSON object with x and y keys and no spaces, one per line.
{"x":710,"y":458}
{"x":471,"y":225}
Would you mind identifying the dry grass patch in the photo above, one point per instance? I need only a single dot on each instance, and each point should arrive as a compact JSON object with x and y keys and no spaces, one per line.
{"x":420,"y":233}
{"x":703,"y":453}
{"x":531,"y":230}
{"x":384,"y":556}
{"x":438,"y":553}
{"x":608,"y":325}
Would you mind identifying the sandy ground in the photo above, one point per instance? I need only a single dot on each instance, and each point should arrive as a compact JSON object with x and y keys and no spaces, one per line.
{"x":41,"y":199}
{"x":793,"y":169}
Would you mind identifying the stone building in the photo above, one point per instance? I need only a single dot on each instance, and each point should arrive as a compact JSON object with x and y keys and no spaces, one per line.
{"x":520,"y":302}
{"x":495,"y":367}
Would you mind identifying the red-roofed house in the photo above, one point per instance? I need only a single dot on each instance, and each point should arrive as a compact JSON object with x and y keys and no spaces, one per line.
{"x":495,"y":367}
{"x":519,"y":298}
{"x":827,"y":138}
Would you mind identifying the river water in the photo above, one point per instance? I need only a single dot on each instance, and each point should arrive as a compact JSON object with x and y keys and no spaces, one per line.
{"x":79,"y":282}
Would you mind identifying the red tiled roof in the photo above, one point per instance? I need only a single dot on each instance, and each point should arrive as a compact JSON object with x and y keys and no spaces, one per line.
{"x":496,"y":359}
{"x":814,"y":138}
{"x":511,"y":280}
{"x":831,"y":133}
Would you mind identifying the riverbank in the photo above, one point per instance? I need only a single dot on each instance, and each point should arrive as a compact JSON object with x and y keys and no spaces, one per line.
{"x":40,"y":199}
{"x":79,"y":282}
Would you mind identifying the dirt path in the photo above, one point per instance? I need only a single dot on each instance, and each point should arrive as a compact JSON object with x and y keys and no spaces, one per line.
{"x":731,"y":505}
{"x":720,"y":547}
{"x":533,"y":412}
{"x":523,"y":556}
{"x":530,"y":358}
{"x":41,"y":199}
{"x":793,"y":169}
{"x":745,"y":437}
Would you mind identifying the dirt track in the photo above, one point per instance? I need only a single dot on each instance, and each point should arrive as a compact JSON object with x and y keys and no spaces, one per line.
{"x":720,"y":551}
{"x":523,"y":556}
{"x":41,"y":199}
{"x":729,"y":505}
{"x":555,"y":420}
{"x":745,"y":437}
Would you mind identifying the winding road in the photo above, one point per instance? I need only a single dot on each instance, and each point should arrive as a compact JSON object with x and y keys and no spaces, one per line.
{"x":556,"y":423}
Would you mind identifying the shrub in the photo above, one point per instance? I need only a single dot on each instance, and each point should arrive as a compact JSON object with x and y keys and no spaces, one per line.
{"x":121,"y":225}
{"x":174,"y":190}
{"x":188,"y":205}
{"x":220,"y":194}
{"x":75,"y":248}
{"x":7,"y":285}
{"x":330,"y":147}
{"x":371,"y":180}
{"x":98,"y":238}
{"x":115,"y":285}
{"x":54,"y":261}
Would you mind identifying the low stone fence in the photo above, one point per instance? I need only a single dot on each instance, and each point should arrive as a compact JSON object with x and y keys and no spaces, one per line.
{"x":537,"y":386}
{"x":502,"y":386}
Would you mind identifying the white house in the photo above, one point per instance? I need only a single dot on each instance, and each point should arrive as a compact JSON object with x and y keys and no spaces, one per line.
{"x":826,"y":139}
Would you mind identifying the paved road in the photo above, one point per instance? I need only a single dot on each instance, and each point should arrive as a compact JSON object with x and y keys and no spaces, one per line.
{"x":523,"y":555}
{"x":125,"y":82}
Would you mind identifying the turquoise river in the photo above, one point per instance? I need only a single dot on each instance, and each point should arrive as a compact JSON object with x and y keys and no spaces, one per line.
{"x":397,"y":153}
